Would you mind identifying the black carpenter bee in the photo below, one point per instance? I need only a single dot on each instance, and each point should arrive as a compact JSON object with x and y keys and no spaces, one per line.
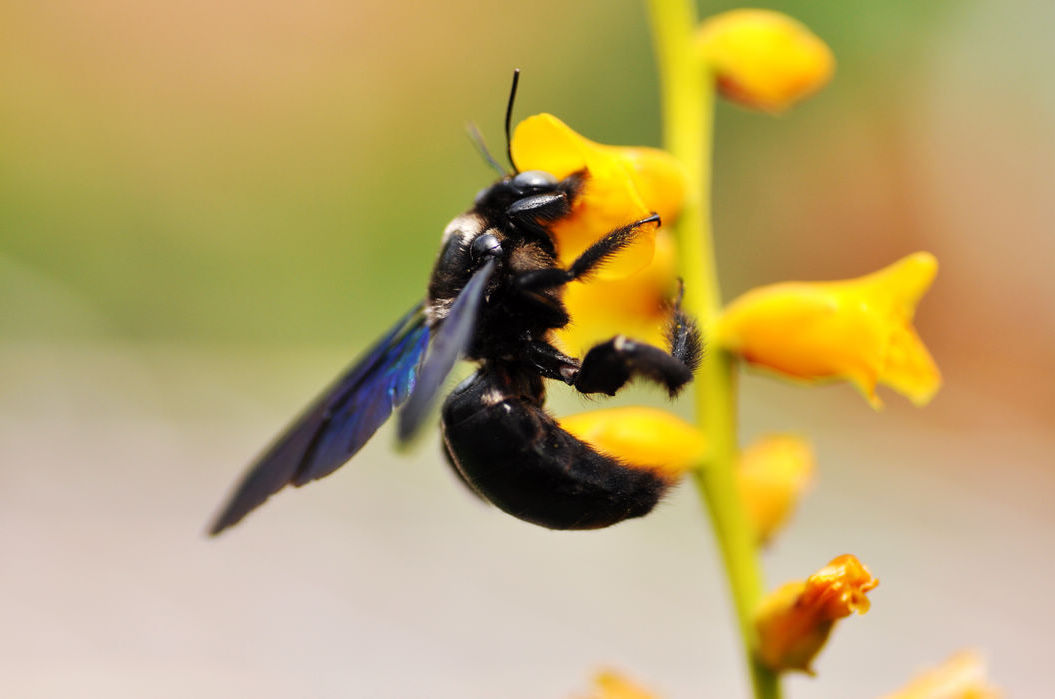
{"x":494,"y":297}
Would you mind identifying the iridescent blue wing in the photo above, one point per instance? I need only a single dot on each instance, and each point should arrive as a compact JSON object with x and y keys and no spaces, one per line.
{"x":339,"y":422}
{"x":450,"y":343}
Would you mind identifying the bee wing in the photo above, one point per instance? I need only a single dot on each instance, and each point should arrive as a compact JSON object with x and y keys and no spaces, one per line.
{"x":450,"y":343}
{"x":339,"y":422}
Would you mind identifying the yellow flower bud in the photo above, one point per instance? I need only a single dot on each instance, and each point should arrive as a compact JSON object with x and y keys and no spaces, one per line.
{"x":772,"y":475}
{"x":764,"y":59}
{"x":859,"y":330}
{"x":623,"y":185}
{"x":645,"y":437}
{"x":610,"y":684}
{"x":963,"y":676}
{"x":794,"y":622}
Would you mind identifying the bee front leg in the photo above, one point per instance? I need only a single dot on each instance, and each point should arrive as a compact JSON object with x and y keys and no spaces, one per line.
{"x":587,"y":262}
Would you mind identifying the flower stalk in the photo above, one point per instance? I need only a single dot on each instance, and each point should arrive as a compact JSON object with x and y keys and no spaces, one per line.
{"x":687,"y":99}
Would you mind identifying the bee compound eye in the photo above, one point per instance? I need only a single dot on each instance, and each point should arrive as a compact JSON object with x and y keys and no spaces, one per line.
{"x":531,"y":180}
{"x":486,"y":245}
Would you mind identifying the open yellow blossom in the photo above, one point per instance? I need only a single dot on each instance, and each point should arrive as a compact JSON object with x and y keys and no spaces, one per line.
{"x":610,"y":684}
{"x":764,"y":59}
{"x":623,"y":184}
{"x":859,"y":330}
{"x":794,"y":622}
{"x":772,"y":474}
{"x":646,"y":437}
{"x":963,"y":676}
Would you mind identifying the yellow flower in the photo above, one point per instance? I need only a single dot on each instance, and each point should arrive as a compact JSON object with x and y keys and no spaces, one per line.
{"x":623,"y":184}
{"x":962,"y":676}
{"x":646,"y":437}
{"x":764,"y":59}
{"x":772,"y":475}
{"x":794,"y":622}
{"x":859,"y":330}
{"x":610,"y":684}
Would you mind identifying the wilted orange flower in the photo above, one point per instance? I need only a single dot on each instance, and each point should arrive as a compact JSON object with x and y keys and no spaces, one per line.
{"x":859,"y":330}
{"x":610,"y":684}
{"x":963,"y":676}
{"x":764,"y":59}
{"x":646,"y":437}
{"x":624,"y":184}
{"x":772,"y":474}
{"x":794,"y":622}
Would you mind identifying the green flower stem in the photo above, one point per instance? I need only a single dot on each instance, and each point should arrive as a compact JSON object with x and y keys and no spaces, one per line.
{"x":688,"y":124}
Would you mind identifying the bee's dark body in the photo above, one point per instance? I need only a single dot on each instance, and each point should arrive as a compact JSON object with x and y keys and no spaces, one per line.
{"x":507,"y":448}
{"x":495,"y":296}
{"x":496,"y":431}
{"x":510,"y":317}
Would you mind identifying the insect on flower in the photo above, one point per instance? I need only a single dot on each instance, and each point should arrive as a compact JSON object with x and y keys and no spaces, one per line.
{"x":494,"y":297}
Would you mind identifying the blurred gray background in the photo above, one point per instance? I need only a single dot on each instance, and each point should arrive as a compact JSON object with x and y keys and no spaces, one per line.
{"x":208,"y":208}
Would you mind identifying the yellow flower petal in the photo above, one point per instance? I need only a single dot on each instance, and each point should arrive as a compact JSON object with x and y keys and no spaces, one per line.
{"x":909,"y":369}
{"x":623,"y":185}
{"x":658,"y":178}
{"x":859,"y":330}
{"x":963,"y":676}
{"x":772,"y":474}
{"x":764,"y":59}
{"x":794,"y":622}
{"x":645,"y":437}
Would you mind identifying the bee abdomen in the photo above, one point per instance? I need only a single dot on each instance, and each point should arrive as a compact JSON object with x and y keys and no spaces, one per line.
{"x":516,"y":456}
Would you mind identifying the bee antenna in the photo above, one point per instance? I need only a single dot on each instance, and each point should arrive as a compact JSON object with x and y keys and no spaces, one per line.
{"x":509,"y":117}
{"x":481,"y":146}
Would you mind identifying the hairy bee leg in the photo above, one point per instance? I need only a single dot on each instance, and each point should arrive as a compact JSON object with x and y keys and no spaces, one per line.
{"x":607,"y":367}
{"x":604,"y":249}
{"x":683,"y":334}
{"x":587,"y":262}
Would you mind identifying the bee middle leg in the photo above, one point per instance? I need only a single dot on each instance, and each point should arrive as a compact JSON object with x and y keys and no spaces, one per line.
{"x":609,"y":365}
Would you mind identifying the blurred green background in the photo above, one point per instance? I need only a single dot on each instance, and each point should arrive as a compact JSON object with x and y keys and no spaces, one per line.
{"x":206,"y":208}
